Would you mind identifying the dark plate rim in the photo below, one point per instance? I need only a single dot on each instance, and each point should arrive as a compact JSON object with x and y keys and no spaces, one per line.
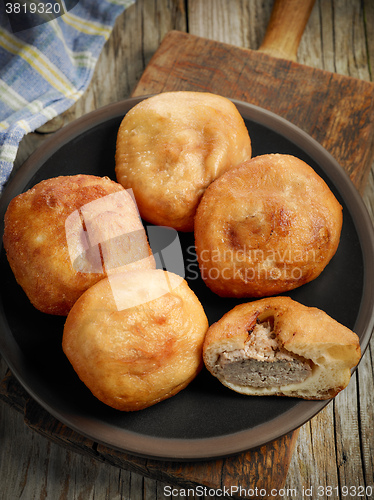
{"x":206,"y":448}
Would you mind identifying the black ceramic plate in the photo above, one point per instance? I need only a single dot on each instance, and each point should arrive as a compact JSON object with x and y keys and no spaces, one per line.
{"x":206,"y":420}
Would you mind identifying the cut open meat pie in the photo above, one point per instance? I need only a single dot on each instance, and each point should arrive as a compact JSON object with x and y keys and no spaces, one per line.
{"x":276,"y":346}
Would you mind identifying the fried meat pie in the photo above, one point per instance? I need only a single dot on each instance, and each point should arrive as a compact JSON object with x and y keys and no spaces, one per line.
{"x":171,"y":146}
{"x":136,"y":338}
{"x":278,"y":347}
{"x":67,"y":233}
{"x":265,"y":227}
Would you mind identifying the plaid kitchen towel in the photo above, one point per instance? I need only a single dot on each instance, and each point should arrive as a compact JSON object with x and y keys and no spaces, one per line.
{"x":46,"y":68}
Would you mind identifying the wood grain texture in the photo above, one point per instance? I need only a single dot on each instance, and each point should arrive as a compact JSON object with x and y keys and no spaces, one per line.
{"x":33,"y":467}
{"x":254,"y":468}
{"x":286,"y":28}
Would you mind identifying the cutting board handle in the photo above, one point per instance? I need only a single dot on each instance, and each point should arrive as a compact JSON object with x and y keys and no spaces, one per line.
{"x":286,"y":26}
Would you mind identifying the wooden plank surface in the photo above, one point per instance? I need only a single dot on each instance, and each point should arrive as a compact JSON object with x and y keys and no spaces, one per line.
{"x":336,"y":447}
{"x":255,"y":468}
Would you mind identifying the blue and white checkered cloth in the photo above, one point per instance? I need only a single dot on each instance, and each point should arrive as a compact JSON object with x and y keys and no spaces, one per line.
{"x":45,"y":69}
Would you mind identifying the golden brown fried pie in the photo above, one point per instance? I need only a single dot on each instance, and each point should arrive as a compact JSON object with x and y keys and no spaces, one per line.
{"x":66,"y":233}
{"x":170,"y":147}
{"x":276,"y":346}
{"x":267,"y":226}
{"x":136,"y":338}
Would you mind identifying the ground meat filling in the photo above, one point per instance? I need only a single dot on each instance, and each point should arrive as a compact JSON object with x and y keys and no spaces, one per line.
{"x":262,"y":362}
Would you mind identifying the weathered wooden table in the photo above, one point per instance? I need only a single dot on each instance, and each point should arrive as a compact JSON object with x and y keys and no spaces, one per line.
{"x":334,"y":449}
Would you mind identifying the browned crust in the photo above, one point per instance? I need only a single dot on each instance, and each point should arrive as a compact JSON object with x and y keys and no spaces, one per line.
{"x":265,"y":227}
{"x":294,"y":324}
{"x":170,"y":147}
{"x":35,"y":239}
{"x":133,"y":358}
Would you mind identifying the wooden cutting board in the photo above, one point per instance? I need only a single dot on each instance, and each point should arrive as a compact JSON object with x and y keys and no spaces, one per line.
{"x":337,"y":111}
